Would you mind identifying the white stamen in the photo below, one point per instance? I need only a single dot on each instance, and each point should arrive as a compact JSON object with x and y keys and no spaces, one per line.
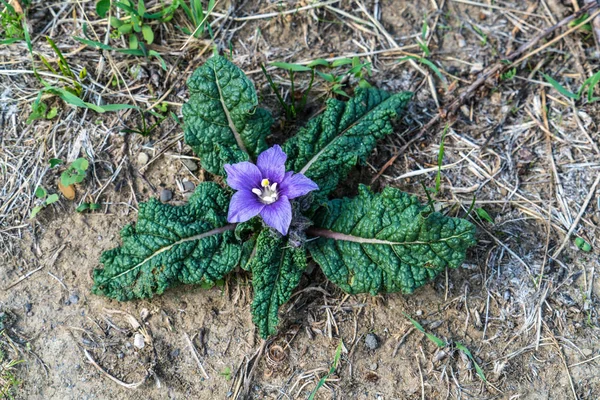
{"x":268,"y":194}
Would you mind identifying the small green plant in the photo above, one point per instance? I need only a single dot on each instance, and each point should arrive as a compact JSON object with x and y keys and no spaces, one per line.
{"x":442,"y":344}
{"x":589,"y":84}
{"x":44,"y":200}
{"x":276,"y":212}
{"x":83,"y":207}
{"x":341,"y":71}
{"x":508,"y":75}
{"x":11,"y":24}
{"x":133,"y":24}
{"x":583,"y":245}
{"x":197,"y":17}
{"x":226,"y":373}
{"x":8,"y":379}
{"x":334,"y":365}
{"x":144,"y":128}
{"x":75,"y":173}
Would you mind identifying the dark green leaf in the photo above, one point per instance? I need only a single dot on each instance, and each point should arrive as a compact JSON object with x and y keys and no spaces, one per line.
{"x":386,"y":242}
{"x":54,"y":162}
{"x":82,"y":207}
{"x":102,"y":7}
{"x":170,"y":245}
{"x":345,"y":134}
{"x":276,"y":271}
{"x":222,"y":122}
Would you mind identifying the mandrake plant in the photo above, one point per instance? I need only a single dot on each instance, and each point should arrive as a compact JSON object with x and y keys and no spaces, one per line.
{"x":275,"y":212}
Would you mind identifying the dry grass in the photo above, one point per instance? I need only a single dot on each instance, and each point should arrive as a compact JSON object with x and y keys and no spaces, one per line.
{"x":526,"y":303}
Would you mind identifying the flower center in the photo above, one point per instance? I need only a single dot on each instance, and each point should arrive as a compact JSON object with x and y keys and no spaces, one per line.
{"x":267,"y":193}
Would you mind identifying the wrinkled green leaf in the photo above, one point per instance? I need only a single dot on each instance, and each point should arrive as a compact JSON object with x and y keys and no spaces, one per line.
{"x":222,"y":122}
{"x":54,"y":162}
{"x":170,"y":245}
{"x":345,"y":134}
{"x":276,"y":271}
{"x":386,"y":242}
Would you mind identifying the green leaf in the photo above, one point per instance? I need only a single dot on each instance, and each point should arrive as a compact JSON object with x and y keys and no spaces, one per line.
{"x":102,"y":7}
{"x":52,"y":113}
{"x":133,"y":42}
{"x":82,"y":207}
{"x":334,"y":364}
{"x":345,"y":134}
{"x":34,"y":211}
{"x":291,"y":67}
{"x":40,"y":192}
{"x":579,"y":242}
{"x":561,"y":89}
{"x":53,"y":198}
{"x":148,"y":34}
{"x":75,"y":173}
{"x":54,"y":162}
{"x":478,"y":369}
{"x":169,"y":245}
{"x":386,"y":242}
{"x":276,"y":271}
{"x":222,"y":122}
{"x":318,"y":62}
{"x":436,"y":340}
{"x":80,"y":164}
{"x":484,"y":215}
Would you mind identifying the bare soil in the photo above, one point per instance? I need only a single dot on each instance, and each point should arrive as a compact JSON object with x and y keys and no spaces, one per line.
{"x":523,"y":304}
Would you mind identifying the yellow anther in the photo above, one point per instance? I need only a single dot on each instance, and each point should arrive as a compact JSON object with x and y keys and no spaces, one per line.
{"x":264,"y":183}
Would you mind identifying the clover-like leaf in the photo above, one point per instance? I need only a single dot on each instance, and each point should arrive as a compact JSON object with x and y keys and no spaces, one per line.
{"x":276,"y":271}
{"x":386,"y":242}
{"x":169,"y":245}
{"x":331,"y":144}
{"x":222,"y":122}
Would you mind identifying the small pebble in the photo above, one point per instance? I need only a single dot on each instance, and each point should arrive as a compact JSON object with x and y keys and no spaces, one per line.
{"x":373,"y":366}
{"x":419,"y":313}
{"x":175,"y":353}
{"x":188,"y":186}
{"x":165,"y":195}
{"x":372,"y":341}
{"x":73,"y":299}
{"x":587,"y":352}
{"x":120,"y":356}
{"x":190,"y":164}
{"x":28,"y":307}
{"x":30,"y":314}
{"x":138,"y":341}
{"x":143,"y":159}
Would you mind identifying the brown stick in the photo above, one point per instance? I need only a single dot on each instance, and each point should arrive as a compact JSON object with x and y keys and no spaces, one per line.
{"x":493,"y":70}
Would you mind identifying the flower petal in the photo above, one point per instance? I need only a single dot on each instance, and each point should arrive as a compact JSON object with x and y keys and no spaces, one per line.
{"x":296,"y":185}
{"x":243,"y":206}
{"x":271,"y":163}
{"x":278,"y":215}
{"x":243,"y":176}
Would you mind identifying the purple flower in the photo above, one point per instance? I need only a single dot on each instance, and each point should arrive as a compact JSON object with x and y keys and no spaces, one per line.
{"x":265,"y":189}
